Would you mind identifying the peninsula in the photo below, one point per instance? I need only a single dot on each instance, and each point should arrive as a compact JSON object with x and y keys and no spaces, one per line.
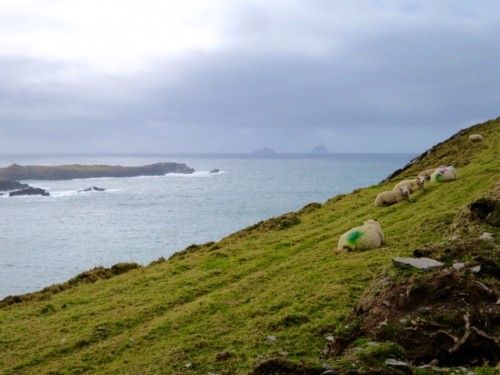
{"x":69,"y":172}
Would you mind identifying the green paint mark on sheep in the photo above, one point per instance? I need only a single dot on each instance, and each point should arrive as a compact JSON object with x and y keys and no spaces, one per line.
{"x":354,"y":237}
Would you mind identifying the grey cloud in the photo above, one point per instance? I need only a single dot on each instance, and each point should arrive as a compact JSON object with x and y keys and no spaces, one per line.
{"x":290,"y":81}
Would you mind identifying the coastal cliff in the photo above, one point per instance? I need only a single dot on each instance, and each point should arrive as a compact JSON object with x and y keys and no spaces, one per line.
{"x":69,"y":172}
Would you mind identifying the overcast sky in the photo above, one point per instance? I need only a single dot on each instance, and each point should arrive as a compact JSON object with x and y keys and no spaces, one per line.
{"x":165,"y":76}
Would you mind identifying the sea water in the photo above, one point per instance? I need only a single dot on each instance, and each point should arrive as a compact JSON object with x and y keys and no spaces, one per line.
{"x":47,"y":240}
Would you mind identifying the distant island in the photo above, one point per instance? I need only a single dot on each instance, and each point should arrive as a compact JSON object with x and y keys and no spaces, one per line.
{"x":264,"y":151}
{"x":320,"y":149}
{"x":69,"y":172}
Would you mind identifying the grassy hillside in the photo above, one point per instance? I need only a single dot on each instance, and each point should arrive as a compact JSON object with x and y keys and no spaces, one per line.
{"x":271,"y":291}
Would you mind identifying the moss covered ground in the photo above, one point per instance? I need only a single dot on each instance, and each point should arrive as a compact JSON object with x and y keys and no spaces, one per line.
{"x":275,"y":290}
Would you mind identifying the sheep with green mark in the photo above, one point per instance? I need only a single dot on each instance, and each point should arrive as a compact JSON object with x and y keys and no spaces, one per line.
{"x":365,"y":237}
{"x":444,"y":174}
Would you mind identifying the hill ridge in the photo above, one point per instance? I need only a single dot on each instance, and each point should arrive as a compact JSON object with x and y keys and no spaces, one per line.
{"x":270,"y":296}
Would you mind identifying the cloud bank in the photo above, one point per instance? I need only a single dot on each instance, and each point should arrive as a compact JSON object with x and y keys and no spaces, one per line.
{"x":221,"y":76}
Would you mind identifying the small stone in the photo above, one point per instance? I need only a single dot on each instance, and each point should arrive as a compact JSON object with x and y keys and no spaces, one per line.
{"x":419,"y":263}
{"x":486,"y":236}
{"x":498,"y":301}
{"x":458,"y":266}
{"x":284,"y":354}
{"x":271,"y":338}
{"x":188,"y":365}
{"x":64,"y":341}
{"x":395,"y":363}
{"x":386,"y":303}
{"x":329,"y":372}
{"x":330,"y":338}
{"x":476,"y":269}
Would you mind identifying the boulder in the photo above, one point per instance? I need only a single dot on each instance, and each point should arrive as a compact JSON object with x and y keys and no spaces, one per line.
{"x":29,"y":191}
{"x":215,"y":170}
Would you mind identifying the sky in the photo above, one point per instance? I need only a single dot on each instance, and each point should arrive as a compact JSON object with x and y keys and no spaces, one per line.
{"x":226,"y":76}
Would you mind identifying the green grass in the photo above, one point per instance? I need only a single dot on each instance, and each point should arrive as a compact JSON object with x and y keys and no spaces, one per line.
{"x":277,"y":278}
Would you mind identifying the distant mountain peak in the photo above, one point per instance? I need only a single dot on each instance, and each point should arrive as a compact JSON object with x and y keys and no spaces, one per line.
{"x":264,"y":151}
{"x":320,"y":149}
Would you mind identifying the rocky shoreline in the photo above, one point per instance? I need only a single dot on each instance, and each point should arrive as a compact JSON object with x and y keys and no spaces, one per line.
{"x":10,"y":175}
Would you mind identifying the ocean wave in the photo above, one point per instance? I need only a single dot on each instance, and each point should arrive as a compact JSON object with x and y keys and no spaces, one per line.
{"x":195,"y":174}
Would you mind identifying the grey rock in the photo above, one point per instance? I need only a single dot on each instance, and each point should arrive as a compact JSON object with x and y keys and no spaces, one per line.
{"x":93,"y":188}
{"x":487,"y":236}
{"x":419,"y":263}
{"x":6,"y":185}
{"x":458,"y":266}
{"x":395,"y":363}
{"x":29,"y":191}
{"x":216,"y":170}
{"x":476,"y":269}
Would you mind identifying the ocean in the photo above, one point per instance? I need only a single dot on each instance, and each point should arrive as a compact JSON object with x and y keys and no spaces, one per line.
{"x":47,"y":240}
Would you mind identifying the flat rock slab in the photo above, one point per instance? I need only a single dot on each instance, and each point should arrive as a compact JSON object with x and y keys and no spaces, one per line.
{"x":419,"y":263}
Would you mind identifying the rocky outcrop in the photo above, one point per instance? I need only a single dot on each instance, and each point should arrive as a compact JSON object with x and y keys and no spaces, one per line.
{"x":29,"y":191}
{"x":6,"y":185}
{"x":264,"y":151}
{"x":69,"y":172}
{"x":93,"y":188}
{"x":319,"y":150}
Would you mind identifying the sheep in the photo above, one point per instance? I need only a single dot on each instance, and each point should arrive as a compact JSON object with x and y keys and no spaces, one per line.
{"x":388,"y":198}
{"x":367,"y":236}
{"x":427,"y":173}
{"x":476,"y":137}
{"x":413,"y":185}
{"x":448,"y":173}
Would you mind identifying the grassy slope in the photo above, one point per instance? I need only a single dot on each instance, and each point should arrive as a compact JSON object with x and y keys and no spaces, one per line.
{"x":230,"y":296}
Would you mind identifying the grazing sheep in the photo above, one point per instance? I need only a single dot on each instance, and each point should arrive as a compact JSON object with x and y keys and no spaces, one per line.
{"x":367,"y":236}
{"x":476,"y":137}
{"x":413,"y":185}
{"x":443,"y":174}
{"x":388,"y":198}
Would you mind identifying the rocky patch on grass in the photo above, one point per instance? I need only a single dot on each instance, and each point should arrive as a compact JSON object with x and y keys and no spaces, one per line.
{"x":446,"y":317}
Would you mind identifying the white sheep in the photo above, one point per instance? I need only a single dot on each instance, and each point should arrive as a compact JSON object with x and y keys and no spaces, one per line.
{"x":413,"y":185}
{"x":427,"y":173}
{"x":443,"y":174}
{"x":367,"y":236}
{"x":388,"y":198}
{"x":476,"y":137}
